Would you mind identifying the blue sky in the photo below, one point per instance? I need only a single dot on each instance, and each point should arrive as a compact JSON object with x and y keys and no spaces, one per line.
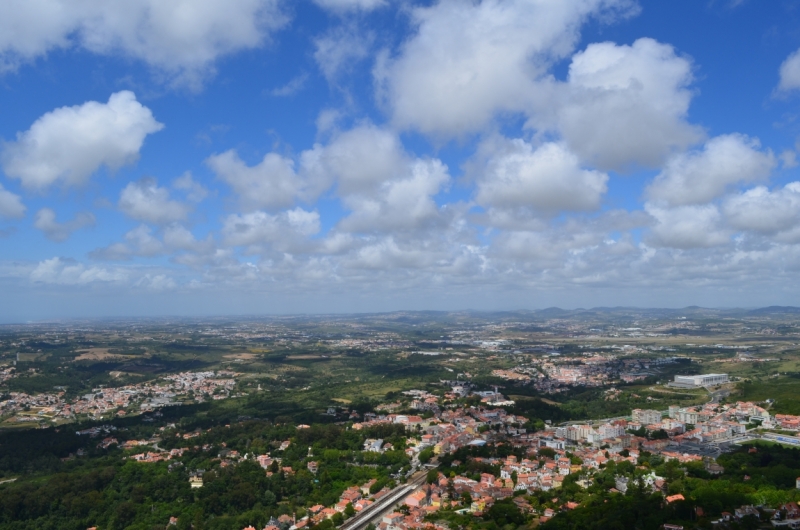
{"x":264,"y":156}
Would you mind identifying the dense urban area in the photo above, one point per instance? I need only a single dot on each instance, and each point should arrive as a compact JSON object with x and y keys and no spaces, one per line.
{"x":604,"y":418}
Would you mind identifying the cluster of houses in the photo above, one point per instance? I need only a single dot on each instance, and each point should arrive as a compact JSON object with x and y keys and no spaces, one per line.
{"x":119,"y":401}
{"x":6,"y":373}
{"x":556,"y":373}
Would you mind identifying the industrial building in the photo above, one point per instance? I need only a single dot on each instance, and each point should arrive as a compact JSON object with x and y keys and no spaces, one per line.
{"x":695,"y":381}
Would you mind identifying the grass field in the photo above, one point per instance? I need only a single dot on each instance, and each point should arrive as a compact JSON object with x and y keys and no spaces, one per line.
{"x":784,"y":390}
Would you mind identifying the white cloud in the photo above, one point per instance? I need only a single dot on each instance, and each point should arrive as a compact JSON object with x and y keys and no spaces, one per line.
{"x":259,"y":227}
{"x":155,"y":282}
{"x":45,"y":221}
{"x":340,"y":49}
{"x":400,"y":205}
{"x":350,"y":5}
{"x":624,"y":105}
{"x":11,"y":206}
{"x":142,"y":242}
{"x":790,"y":73}
{"x":788,"y":159}
{"x":195,"y":191}
{"x":68,"y":144}
{"x":291,"y":88}
{"x":358,"y":161}
{"x":468,"y":61}
{"x":271,"y":184}
{"x":181,"y":38}
{"x":700,"y":176}
{"x":692,"y":226}
{"x":145,"y":201}
{"x":178,"y":237}
{"x":68,"y":272}
{"x":760,"y":210}
{"x":327,"y":120}
{"x":547,"y":180}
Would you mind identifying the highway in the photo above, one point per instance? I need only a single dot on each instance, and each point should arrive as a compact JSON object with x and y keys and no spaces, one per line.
{"x":374,"y":512}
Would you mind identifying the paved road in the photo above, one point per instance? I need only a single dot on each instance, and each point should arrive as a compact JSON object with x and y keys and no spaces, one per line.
{"x":374,"y":512}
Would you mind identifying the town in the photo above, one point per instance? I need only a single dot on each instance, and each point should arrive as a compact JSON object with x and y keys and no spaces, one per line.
{"x":538,"y":461}
{"x":404,"y":421}
{"x":104,"y":402}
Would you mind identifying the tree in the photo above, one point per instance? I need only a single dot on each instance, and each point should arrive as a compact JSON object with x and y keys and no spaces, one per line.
{"x":660,"y":434}
{"x":547,"y":452}
{"x":425,"y":455}
{"x":505,"y":512}
{"x":432,"y":477}
{"x":349,"y":511}
{"x":269,"y":498}
{"x":337,"y":519}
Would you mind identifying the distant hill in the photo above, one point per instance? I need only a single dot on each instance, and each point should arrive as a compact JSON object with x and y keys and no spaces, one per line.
{"x":776,"y":310}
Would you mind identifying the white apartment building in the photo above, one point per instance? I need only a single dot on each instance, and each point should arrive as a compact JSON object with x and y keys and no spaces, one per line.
{"x":687,"y":416}
{"x":646,"y":417}
{"x":608,"y":430}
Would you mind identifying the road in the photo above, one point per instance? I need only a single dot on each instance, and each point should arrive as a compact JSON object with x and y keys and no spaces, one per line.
{"x":374,"y":512}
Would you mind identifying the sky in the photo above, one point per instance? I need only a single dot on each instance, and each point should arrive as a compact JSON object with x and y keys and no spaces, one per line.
{"x":218,"y":157}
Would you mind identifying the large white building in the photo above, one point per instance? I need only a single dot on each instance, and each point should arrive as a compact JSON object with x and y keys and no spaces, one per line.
{"x":701,"y":380}
{"x":646,"y":417}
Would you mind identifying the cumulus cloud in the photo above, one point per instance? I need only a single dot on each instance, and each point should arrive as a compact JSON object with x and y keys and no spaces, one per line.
{"x":271,"y":184}
{"x":68,"y":272}
{"x":69,"y":144}
{"x":689,"y":226}
{"x":195,"y":191}
{"x":259,"y":227}
{"x":45,"y":221}
{"x":790,"y":73}
{"x":11,"y":206}
{"x":624,"y":105}
{"x":146,"y":201}
{"x":400,"y":205}
{"x":351,"y":5}
{"x":155,"y":282}
{"x":143,"y":242}
{"x":357,"y":161}
{"x":178,"y":237}
{"x":548,"y":179}
{"x":181,"y":39}
{"x":467,"y":61}
{"x":761,"y":210}
{"x":700,"y":176}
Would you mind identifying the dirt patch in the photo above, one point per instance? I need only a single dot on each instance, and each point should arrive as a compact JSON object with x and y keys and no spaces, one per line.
{"x":98,"y":354}
{"x":117,"y":374}
{"x":342,"y":400}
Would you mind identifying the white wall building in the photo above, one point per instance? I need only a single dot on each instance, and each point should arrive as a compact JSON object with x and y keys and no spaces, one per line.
{"x":646,"y":417}
{"x":701,"y":380}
